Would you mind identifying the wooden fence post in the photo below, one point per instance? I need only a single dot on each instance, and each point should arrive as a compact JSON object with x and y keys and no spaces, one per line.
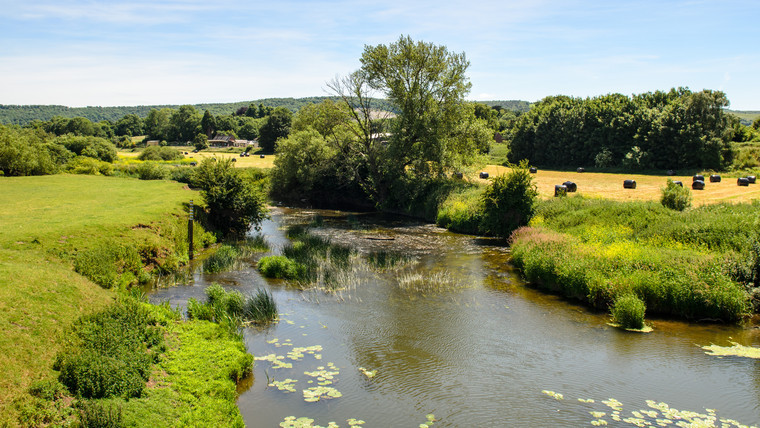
{"x":190,"y":232}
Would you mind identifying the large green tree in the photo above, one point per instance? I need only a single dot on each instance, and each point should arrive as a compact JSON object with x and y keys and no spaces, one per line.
{"x":184,"y":124}
{"x":276,"y":126}
{"x":391,"y":155}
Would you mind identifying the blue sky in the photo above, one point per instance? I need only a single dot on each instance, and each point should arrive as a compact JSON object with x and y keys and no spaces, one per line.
{"x":114,"y":52}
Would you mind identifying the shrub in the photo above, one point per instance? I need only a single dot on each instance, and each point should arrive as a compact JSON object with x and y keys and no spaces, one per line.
{"x":279,"y":267}
{"x":234,"y":203}
{"x":628,"y":311}
{"x":462,"y":211}
{"x":109,"y":353}
{"x":89,"y":166}
{"x":151,"y":171}
{"x":182,"y":174}
{"x":675,"y":197}
{"x":509,"y":201}
{"x":154,"y":153}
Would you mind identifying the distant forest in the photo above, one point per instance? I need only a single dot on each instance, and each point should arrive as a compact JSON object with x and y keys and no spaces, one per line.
{"x":22,"y":115}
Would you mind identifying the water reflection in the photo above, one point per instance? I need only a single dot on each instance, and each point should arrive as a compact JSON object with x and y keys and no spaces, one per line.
{"x":476,"y":354}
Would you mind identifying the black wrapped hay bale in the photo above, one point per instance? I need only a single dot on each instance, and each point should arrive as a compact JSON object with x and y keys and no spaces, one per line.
{"x":458,"y":175}
{"x":629,"y":184}
{"x":581,"y":170}
{"x":678,"y":183}
{"x":751,"y":179}
{"x":560,"y":190}
{"x":698,"y":185}
{"x":671,"y":172}
{"x":533,"y":170}
{"x":698,"y":178}
{"x":742,"y":181}
{"x":571,"y":187}
{"x":715,"y":178}
{"x":483,"y":174}
{"x":262,"y":156}
{"x":193,"y":163}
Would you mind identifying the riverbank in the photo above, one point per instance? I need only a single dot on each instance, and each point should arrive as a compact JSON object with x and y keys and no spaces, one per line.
{"x":56,"y":224}
{"x":701,"y":264}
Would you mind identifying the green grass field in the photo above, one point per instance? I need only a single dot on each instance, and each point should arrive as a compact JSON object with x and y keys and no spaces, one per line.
{"x":45,"y":221}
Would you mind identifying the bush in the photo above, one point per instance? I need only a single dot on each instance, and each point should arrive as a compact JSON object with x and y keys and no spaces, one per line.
{"x":675,"y":197}
{"x":93,"y":147}
{"x":462,"y":211}
{"x":234,"y":203}
{"x":182,"y":174}
{"x":109,"y":353}
{"x":89,"y":166}
{"x":151,"y":171}
{"x":628,"y":311}
{"x":509,"y":202}
{"x":279,"y":267}
{"x":154,"y":153}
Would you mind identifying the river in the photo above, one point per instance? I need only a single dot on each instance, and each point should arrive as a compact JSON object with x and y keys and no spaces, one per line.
{"x":481,"y":350}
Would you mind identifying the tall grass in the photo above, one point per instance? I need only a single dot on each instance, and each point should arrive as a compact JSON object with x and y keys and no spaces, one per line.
{"x":311,"y":261}
{"x":233,"y":308}
{"x":675,"y":262}
{"x":222,"y":259}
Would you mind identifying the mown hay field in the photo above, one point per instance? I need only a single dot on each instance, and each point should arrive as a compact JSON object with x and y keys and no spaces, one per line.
{"x":610,"y":186}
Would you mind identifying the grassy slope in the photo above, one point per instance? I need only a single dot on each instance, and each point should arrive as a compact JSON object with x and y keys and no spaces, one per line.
{"x":40,"y":295}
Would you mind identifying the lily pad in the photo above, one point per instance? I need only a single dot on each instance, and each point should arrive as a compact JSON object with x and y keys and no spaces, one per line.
{"x":645,"y":329}
{"x":555,"y":395}
{"x":368,"y":373}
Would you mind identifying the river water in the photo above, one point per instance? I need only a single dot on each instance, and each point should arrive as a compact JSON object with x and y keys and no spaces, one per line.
{"x":481,"y":350}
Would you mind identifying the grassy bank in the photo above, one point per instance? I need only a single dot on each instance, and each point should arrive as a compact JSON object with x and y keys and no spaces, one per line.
{"x":696,"y":264}
{"x":49,"y":222}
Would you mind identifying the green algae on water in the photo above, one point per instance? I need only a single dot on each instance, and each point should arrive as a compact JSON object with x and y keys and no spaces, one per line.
{"x":736,"y":350}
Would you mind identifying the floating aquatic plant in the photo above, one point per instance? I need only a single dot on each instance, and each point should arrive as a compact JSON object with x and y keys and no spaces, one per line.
{"x":368,"y":373}
{"x":430,"y":419}
{"x":317,"y":393}
{"x":735,"y":350}
{"x":296,"y":354}
{"x":276,"y":360}
{"x":657,"y":414}
{"x":304,"y":422}
{"x":555,"y":395}
{"x":286,"y":385}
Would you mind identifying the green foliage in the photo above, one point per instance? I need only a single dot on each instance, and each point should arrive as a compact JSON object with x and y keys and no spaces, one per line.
{"x":674,"y":130}
{"x":509,"y":201}
{"x":89,"y":166}
{"x":200,"y":142}
{"x":155,"y":153}
{"x":109,"y":353}
{"x":234,"y":203}
{"x":303,"y":166}
{"x":462,"y":211}
{"x":93,"y":414}
{"x":628,"y":311}
{"x":222,"y":259}
{"x":691,"y":264}
{"x":25,"y":152}
{"x":276,"y":126}
{"x":94,"y":147}
{"x":109,"y":264}
{"x":279,"y":267}
{"x":675,"y":197}
{"x":151,"y":171}
{"x":231,"y":307}
{"x":260,"y":308}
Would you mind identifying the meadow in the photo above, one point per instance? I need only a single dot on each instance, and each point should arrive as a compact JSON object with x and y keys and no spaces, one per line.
{"x":47,"y":221}
{"x":252,"y":161}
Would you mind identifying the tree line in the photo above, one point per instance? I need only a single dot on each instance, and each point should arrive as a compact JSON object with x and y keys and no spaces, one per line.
{"x":678,"y":129}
